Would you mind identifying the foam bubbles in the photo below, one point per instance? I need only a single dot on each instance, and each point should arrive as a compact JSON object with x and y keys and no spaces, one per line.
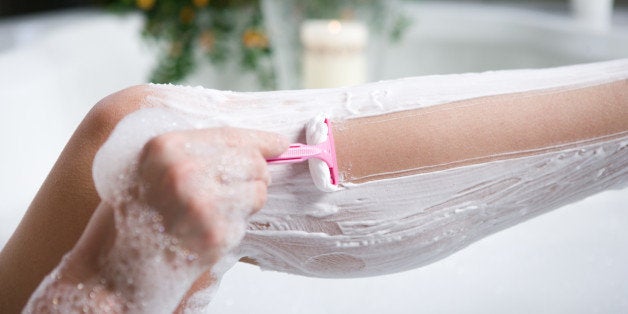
{"x":316,"y":133}
{"x":114,"y":164}
{"x":151,"y":269}
{"x":401,"y":223}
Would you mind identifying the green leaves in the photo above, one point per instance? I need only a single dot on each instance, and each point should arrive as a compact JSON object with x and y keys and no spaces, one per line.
{"x":233,"y":30}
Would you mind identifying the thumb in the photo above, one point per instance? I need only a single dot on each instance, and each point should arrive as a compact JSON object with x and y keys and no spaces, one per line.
{"x":269,"y":144}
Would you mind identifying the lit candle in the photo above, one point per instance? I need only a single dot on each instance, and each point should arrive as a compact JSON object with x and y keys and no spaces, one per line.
{"x":594,"y":14}
{"x":333,"y":53}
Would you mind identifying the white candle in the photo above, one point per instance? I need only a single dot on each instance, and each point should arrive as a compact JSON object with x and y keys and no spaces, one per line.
{"x":333,"y":53}
{"x":594,"y":14}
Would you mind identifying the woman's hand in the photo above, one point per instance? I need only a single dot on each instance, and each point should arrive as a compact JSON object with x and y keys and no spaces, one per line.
{"x":205,"y":183}
{"x":201,"y":185}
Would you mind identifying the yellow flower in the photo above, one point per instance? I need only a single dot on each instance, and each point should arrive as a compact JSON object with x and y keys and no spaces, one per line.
{"x":207,"y":40}
{"x":253,"y":38}
{"x":176,"y":48}
{"x":200,"y":3}
{"x":186,"y":14}
{"x":145,"y":4}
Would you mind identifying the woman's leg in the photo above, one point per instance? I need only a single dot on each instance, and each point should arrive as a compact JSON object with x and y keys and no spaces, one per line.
{"x":435,"y":200}
{"x":412,"y":218}
{"x":383,"y":226}
{"x":445,"y":194}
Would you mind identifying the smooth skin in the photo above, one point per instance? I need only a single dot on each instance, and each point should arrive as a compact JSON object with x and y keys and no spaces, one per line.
{"x":478,"y":130}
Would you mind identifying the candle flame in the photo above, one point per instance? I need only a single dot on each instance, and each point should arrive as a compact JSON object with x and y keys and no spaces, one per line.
{"x":334,"y":27}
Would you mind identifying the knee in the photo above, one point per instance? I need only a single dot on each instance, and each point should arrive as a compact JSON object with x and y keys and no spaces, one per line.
{"x":102,"y":119}
{"x":104,"y":116}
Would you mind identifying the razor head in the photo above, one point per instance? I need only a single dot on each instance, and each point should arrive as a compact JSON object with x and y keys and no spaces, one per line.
{"x":331,"y":162}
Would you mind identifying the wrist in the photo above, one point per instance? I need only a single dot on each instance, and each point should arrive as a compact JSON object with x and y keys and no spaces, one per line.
{"x":74,"y":287}
{"x":133,"y":261}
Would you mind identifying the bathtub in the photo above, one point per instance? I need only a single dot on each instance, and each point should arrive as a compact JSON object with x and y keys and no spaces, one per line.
{"x":53,"y":68}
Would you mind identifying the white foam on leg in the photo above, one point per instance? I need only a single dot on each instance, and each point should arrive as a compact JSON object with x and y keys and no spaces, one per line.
{"x":367,"y":229}
{"x":316,"y":133}
{"x":401,"y":223}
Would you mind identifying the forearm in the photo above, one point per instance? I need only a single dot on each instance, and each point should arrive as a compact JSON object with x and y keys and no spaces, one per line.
{"x":106,"y":272}
{"x":76,"y":284}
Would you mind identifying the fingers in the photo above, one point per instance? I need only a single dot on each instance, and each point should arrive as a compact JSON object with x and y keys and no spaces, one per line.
{"x":260,"y":195}
{"x":259,"y":170}
{"x":248,"y":198}
{"x":269,"y":144}
{"x":206,"y":183}
{"x":225,"y":156}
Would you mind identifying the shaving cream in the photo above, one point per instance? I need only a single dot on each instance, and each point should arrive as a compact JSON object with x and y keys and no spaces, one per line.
{"x":395,"y":224}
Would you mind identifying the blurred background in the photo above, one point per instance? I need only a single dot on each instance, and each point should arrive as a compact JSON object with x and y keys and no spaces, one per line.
{"x":58,"y":58}
{"x":16,"y":7}
{"x":276,"y":44}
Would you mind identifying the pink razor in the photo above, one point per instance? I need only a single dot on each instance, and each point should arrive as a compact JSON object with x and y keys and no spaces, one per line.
{"x":324,"y":151}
